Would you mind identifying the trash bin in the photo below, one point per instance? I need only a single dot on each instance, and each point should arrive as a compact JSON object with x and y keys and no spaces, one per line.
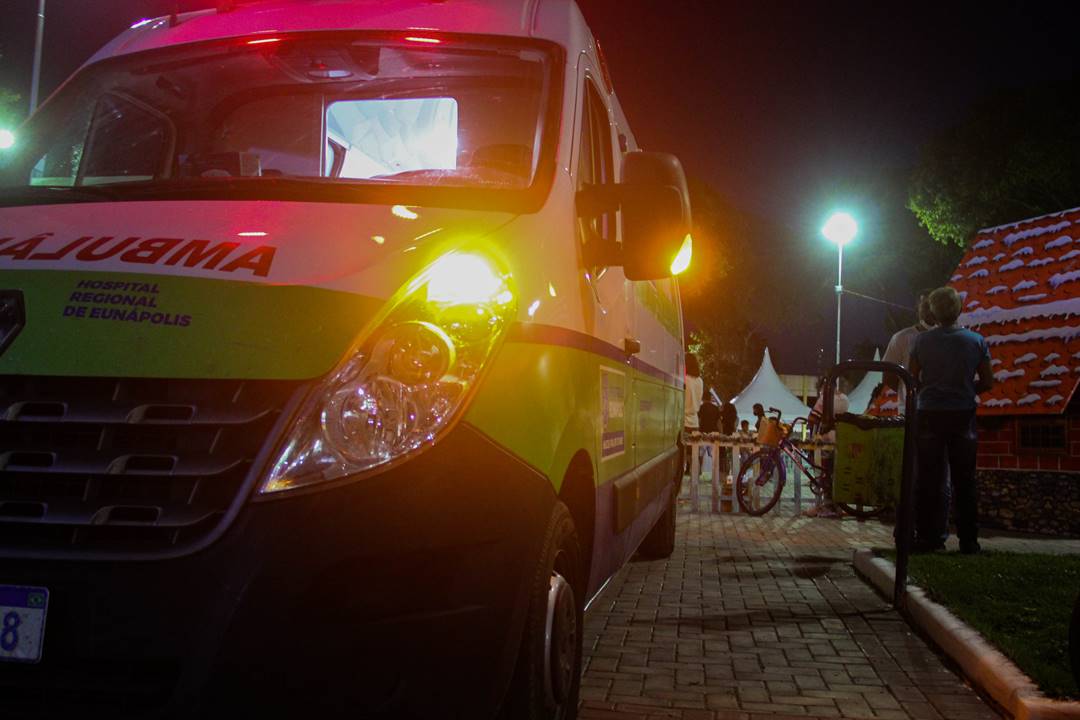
{"x":869,"y":460}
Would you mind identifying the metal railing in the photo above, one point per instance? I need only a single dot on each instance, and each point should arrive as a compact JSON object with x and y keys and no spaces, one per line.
{"x":734,"y":446}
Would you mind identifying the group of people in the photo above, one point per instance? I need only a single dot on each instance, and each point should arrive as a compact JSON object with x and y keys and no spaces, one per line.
{"x":701,"y":413}
{"x":951,"y":367}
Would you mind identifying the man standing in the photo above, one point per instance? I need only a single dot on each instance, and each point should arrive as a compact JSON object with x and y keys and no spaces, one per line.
{"x":708,"y":415}
{"x":946,"y":361}
{"x":708,"y":422}
{"x":900,"y":344}
{"x":729,"y":417}
{"x":759,"y":414}
{"x":695,"y":388}
{"x":899,"y":352}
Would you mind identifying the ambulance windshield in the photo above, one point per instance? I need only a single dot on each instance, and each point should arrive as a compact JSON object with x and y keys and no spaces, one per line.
{"x":331,"y":109}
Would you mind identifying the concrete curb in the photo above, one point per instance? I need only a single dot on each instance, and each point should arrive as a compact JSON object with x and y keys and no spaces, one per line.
{"x":982,"y":663}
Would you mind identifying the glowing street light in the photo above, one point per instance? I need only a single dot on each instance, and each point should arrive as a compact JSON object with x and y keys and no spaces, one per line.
{"x":7,"y":139}
{"x":840,"y":229}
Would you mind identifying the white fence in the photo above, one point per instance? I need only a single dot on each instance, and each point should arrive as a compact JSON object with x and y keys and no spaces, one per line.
{"x":736,"y":448}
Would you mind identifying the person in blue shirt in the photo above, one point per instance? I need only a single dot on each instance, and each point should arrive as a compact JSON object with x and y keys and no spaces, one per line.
{"x":951,"y":366}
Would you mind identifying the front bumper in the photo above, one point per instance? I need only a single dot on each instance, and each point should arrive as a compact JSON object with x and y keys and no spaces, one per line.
{"x":401,"y":595}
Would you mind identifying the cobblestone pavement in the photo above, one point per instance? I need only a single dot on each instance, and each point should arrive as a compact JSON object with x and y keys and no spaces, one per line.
{"x":764,"y":618}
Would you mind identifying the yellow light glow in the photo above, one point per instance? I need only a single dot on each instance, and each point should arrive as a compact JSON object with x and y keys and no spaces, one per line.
{"x":251,"y":233}
{"x":534,"y":307}
{"x":551,"y":290}
{"x":378,"y":239}
{"x":682,"y":260}
{"x":403,"y":212}
{"x":459,"y":279}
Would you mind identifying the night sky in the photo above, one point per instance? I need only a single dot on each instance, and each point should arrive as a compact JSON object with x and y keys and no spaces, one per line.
{"x":778,"y":105}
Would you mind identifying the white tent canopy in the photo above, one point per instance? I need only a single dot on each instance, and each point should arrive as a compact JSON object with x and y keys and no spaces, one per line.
{"x":768,"y":389}
{"x":859,"y":398}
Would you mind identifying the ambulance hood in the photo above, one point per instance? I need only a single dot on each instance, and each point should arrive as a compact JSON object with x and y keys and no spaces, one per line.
{"x":222,"y":289}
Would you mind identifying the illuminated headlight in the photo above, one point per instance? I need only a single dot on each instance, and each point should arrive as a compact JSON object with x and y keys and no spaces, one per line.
{"x":404,"y":380}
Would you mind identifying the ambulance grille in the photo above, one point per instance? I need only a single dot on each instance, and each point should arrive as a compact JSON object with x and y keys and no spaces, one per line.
{"x":126,"y":466}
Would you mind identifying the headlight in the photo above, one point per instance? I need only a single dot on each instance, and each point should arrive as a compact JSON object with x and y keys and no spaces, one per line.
{"x":406,"y":377}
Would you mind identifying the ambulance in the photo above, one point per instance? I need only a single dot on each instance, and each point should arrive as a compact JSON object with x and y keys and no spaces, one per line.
{"x":341,"y":364}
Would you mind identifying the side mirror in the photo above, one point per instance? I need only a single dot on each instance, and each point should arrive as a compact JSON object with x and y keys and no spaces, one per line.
{"x":656,"y":214}
{"x":655,"y":206}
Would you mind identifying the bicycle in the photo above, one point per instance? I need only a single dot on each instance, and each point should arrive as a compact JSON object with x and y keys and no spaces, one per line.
{"x":763,"y":474}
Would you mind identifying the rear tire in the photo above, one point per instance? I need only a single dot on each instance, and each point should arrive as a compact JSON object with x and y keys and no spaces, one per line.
{"x":660,"y":542}
{"x":766,"y":466}
{"x":548,"y":672}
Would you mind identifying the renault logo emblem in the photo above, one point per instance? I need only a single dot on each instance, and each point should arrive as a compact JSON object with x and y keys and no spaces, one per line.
{"x":12,"y":316}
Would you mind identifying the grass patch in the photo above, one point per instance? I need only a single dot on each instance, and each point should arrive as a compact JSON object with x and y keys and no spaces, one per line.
{"x":1020,"y":602}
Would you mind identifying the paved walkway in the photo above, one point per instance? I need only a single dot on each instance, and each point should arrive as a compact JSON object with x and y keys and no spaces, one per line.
{"x":764,"y":618}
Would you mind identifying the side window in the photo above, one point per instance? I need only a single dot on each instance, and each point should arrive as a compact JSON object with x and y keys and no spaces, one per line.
{"x":127,"y":141}
{"x":113,"y":140}
{"x":60,"y":163}
{"x":596,"y":163}
{"x":585,"y":173}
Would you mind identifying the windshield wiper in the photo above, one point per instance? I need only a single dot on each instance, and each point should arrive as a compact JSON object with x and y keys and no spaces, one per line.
{"x":48,"y":194}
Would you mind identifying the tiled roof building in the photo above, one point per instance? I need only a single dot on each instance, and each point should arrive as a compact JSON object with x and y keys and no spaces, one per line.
{"x":1021,"y":290}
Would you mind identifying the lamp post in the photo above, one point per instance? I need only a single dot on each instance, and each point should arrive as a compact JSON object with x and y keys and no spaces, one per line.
{"x":840,"y":229}
{"x":35,"y":75}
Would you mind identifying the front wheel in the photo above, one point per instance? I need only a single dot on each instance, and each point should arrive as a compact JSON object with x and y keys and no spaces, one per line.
{"x":548,"y":672}
{"x":761,"y":480}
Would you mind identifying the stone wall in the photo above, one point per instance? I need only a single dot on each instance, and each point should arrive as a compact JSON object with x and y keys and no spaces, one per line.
{"x":1030,"y":501}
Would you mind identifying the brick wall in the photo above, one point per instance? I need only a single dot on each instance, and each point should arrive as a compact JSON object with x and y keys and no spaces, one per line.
{"x":1028,"y":490}
{"x":998,"y":448}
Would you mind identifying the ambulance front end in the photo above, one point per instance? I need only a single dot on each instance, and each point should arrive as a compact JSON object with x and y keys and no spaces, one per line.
{"x":249,"y":287}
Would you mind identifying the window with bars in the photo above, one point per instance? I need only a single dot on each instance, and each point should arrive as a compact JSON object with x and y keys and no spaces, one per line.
{"x":1043,"y":434}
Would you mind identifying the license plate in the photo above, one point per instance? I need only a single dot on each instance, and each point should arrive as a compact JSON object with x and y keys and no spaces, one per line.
{"x":22,"y":622}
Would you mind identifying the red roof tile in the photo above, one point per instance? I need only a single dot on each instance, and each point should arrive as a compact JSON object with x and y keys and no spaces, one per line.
{"x":1021,"y":290}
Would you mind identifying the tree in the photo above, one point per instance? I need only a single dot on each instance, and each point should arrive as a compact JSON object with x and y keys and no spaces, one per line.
{"x":730,"y":293}
{"x":1015,"y":155}
{"x":10,"y":112}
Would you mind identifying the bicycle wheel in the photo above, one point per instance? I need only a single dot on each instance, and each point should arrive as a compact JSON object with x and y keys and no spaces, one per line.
{"x":761,"y":480}
{"x":863,"y":512}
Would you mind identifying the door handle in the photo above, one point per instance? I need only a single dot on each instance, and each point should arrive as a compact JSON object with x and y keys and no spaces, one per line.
{"x":631,"y":346}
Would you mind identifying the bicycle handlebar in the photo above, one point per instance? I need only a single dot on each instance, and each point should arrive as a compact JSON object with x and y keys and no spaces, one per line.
{"x":777,"y":411}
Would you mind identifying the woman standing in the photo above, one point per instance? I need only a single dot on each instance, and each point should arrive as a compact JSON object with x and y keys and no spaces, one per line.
{"x":945,"y":361}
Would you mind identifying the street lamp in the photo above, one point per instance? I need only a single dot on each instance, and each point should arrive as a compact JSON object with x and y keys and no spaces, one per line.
{"x":35,"y":75}
{"x":840,"y":229}
{"x":7,"y":139}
